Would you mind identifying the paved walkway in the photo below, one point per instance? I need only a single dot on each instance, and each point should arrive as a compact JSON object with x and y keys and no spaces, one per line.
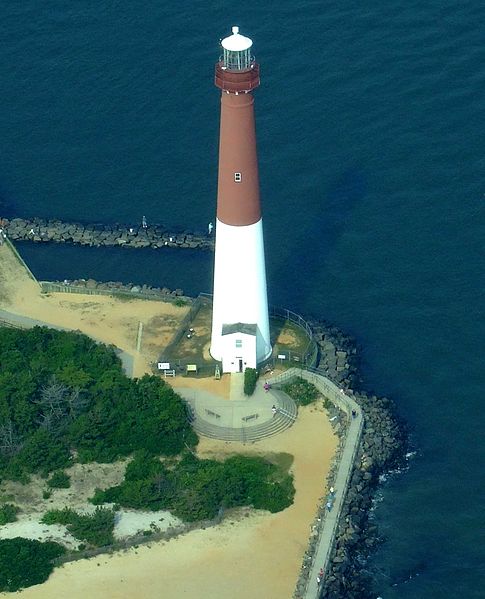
{"x":237,"y":387}
{"x":328,"y":532}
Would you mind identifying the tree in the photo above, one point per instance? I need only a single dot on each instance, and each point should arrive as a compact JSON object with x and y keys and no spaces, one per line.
{"x":10,"y":443}
{"x":24,"y":562}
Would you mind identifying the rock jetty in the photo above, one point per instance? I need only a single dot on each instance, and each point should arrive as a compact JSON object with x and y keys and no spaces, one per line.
{"x":40,"y":230}
{"x":382,"y":449}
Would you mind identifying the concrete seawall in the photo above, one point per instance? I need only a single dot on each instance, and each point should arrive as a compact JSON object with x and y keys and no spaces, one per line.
{"x":39,"y":230}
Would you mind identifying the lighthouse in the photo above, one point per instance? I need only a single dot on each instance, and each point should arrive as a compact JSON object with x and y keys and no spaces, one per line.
{"x":240,"y":323}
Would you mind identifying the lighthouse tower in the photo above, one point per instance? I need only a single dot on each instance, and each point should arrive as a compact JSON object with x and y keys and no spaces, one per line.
{"x":240,"y":324}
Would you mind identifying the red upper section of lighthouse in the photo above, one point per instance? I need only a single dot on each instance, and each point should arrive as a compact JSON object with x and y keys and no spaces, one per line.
{"x":235,"y":80}
{"x":237,"y":74}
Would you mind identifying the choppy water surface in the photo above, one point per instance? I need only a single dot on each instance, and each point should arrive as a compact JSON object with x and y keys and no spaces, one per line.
{"x":370,"y":127}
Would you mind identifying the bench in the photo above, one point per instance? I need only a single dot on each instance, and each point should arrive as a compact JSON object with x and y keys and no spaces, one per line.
{"x":211,"y":413}
{"x":251,"y":417}
{"x":192,"y":368}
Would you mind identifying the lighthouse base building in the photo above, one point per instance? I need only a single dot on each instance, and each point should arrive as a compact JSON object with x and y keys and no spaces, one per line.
{"x":240,"y":322}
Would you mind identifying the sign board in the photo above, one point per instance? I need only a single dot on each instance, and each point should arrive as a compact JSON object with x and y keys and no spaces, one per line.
{"x":281,"y":356}
{"x":163,"y":365}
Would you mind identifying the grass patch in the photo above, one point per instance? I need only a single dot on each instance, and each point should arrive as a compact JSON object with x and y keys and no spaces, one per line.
{"x":283,"y":461}
{"x":301,"y":391}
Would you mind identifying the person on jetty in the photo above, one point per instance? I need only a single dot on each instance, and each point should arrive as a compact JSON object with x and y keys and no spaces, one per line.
{"x":266,"y":386}
{"x":274,"y":409}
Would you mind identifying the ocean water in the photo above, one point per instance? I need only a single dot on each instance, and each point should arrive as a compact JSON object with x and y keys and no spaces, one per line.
{"x":371,"y":140}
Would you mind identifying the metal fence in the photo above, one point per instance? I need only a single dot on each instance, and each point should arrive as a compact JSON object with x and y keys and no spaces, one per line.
{"x":49,"y":287}
{"x":184,"y":325}
{"x":309,"y":357}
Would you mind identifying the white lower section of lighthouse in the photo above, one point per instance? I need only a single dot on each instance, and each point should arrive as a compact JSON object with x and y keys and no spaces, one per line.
{"x":240,"y":322}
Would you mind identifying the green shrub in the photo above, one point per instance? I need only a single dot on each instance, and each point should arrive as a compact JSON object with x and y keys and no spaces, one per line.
{"x":59,"y":480}
{"x":43,"y":452}
{"x":250,"y":379}
{"x":197,"y":489}
{"x":301,"y":391}
{"x":96,"y":529}
{"x":8,"y":513}
{"x":24,"y":562}
{"x":64,"y":516}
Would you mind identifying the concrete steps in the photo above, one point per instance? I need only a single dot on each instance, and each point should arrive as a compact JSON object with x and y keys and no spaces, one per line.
{"x":284,"y":418}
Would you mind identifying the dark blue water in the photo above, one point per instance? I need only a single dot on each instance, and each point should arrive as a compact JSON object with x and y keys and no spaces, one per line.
{"x":371,"y":125}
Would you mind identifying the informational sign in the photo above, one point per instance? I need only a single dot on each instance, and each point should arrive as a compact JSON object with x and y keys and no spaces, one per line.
{"x":163,"y":365}
{"x":281,"y":356}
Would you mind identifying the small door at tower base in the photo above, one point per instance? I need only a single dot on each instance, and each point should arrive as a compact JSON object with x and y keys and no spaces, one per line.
{"x":238,"y":347}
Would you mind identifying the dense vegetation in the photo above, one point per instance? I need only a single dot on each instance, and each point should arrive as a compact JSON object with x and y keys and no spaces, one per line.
{"x":250,"y":379}
{"x":59,"y":480}
{"x":62,"y":394}
{"x":96,"y":529}
{"x":194,"y":489}
{"x":301,"y":391}
{"x":8,"y":513}
{"x":24,"y":562}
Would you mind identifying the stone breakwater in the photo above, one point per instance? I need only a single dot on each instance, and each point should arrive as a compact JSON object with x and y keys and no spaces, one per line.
{"x":382,"y":449}
{"x":40,"y":230}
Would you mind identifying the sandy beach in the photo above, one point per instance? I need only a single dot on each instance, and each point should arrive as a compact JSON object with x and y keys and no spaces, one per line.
{"x":251,"y":554}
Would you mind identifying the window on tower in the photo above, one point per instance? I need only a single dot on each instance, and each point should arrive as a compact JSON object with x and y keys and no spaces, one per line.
{"x":238,"y":342}
{"x":238,"y":177}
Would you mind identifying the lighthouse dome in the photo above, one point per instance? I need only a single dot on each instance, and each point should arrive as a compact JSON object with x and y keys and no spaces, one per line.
{"x":236,"y":42}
